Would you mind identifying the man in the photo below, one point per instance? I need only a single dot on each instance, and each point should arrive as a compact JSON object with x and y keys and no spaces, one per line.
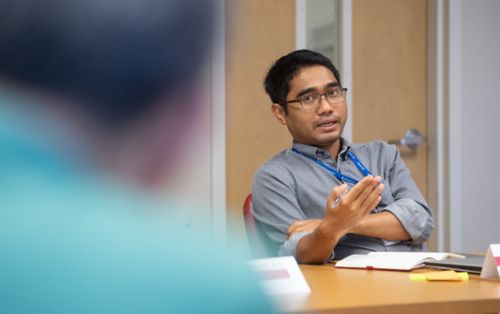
{"x":95,"y":97}
{"x":327,"y":198}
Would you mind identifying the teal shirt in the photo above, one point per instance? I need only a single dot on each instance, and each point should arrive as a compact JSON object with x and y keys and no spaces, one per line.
{"x":74,"y":241}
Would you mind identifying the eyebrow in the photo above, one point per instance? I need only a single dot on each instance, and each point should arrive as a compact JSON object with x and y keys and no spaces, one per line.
{"x":313,"y":89}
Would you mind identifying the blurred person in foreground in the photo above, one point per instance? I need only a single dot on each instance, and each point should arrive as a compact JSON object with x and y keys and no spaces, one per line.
{"x":95,"y":97}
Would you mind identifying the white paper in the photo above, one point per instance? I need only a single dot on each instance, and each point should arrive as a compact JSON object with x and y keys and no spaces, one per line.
{"x":280,"y":275}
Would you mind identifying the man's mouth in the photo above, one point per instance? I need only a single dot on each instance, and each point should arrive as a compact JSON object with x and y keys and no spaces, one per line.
{"x":325,"y":123}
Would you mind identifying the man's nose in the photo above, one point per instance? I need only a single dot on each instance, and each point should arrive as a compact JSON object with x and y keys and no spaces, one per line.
{"x":324,"y":105}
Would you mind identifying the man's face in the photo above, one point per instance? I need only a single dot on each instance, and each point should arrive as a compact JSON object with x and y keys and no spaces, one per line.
{"x":322,"y":127}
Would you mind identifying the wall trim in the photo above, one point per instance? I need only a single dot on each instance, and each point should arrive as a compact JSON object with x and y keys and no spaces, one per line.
{"x":218,"y":125}
{"x":300,"y":24}
{"x":347,"y":62}
{"x":455,"y":124}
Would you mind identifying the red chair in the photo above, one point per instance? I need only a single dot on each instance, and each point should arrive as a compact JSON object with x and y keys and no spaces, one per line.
{"x":259,"y":245}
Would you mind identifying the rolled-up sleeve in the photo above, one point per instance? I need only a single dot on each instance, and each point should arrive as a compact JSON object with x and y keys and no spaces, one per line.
{"x":290,"y":245}
{"x":416,"y":220}
{"x":409,"y":206}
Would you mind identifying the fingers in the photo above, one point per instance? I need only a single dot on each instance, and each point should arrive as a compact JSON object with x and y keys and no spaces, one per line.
{"x":361,"y":191}
{"x":369,"y":189}
{"x":293,"y":227}
{"x":373,"y":199}
{"x":355,"y":205}
{"x":303,"y":225}
{"x":362,"y":198}
{"x":363,"y":187}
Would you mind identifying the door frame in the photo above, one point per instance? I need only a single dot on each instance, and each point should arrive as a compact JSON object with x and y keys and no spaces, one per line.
{"x":301,"y":40}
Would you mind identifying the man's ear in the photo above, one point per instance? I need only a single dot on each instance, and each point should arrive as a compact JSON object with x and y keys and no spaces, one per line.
{"x":279,"y":113}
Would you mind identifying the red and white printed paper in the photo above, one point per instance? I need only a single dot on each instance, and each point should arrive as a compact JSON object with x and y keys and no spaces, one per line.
{"x":491,"y":265}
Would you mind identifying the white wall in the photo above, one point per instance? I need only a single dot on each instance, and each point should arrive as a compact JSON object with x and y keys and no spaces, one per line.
{"x":474,"y":113}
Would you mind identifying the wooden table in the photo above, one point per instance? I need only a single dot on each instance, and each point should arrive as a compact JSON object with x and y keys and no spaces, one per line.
{"x":376,"y":291}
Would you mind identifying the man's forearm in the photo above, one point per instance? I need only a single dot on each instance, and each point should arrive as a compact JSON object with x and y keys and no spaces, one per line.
{"x":317,"y":246}
{"x":383,"y":225}
{"x":340,"y":218}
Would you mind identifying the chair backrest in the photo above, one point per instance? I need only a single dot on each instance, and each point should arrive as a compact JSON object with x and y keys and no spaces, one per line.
{"x":256,"y":239}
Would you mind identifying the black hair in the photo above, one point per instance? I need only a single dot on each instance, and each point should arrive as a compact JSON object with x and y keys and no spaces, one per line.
{"x":113,"y":57}
{"x":282,"y":72}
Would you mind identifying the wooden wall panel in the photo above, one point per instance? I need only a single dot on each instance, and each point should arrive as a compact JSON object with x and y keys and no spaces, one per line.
{"x":258,"y":32}
{"x":389,"y":75}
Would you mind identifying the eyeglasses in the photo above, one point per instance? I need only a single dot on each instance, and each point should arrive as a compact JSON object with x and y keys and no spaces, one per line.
{"x":311,"y":102}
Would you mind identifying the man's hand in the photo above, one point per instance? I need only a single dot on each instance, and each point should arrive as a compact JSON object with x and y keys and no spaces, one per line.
{"x":355,"y":205}
{"x":303,"y":226}
{"x":340,"y":218}
{"x":361,"y":202}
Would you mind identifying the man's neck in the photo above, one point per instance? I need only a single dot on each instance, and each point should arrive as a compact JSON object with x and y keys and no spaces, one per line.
{"x":334,"y":148}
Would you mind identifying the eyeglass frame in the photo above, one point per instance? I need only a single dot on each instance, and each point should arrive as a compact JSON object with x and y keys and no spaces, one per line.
{"x":343,"y":92}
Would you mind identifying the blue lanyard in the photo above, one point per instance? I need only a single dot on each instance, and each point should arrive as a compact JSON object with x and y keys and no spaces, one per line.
{"x":335,"y":173}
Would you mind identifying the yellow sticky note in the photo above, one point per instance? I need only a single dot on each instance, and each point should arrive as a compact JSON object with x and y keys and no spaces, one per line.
{"x":447,"y":275}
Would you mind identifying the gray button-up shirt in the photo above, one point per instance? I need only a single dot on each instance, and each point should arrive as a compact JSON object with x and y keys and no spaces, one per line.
{"x":292,"y":187}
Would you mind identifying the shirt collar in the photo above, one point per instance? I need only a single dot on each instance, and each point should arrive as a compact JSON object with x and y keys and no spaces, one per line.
{"x":315,"y":152}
